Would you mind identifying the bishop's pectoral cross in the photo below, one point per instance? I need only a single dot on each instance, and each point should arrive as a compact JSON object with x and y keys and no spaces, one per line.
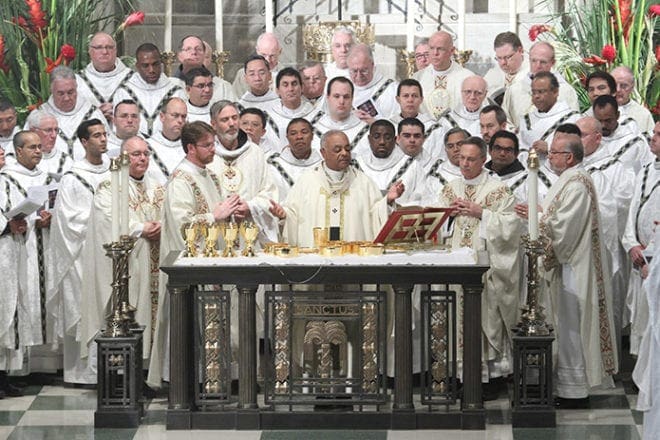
{"x":334,"y":206}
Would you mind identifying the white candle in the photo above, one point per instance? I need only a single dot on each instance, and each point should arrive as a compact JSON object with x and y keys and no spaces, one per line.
{"x":114,"y":186}
{"x":513,"y":24}
{"x":460,"y":11}
{"x":123,"y":200}
{"x":410,"y":26}
{"x":269,"y":15}
{"x":167,"y":44}
{"x":532,"y":203}
{"x":218,"y":25}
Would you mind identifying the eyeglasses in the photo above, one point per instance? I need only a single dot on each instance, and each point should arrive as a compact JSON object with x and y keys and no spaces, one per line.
{"x":551,"y":153}
{"x":473,"y":92}
{"x":509,"y":150}
{"x":203,"y":86}
{"x":421,"y":55}
{"x":313,"y":78}
{"x":107,"y":47}
{"x":505,"y":58}
{"x":360,"y":71}
{"x":48,"y":130}
{"x":206,"y":145}
{"x":140,"y":153}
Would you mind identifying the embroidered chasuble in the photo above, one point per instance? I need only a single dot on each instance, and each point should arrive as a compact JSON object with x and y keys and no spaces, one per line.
{"x":351,"y":202}
{"x":498,"y":232}
{"x":571,"y":222}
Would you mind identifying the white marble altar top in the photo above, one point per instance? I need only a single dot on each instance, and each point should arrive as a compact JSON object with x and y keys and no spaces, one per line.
{"x":463,"y":256}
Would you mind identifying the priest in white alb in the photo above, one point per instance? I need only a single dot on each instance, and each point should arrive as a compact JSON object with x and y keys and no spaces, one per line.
{"x":145,"y":199}
{"x":165,"y":144}
{"x":75,"y":200}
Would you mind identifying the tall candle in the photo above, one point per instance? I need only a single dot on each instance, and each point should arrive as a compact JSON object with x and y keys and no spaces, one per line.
{"x":533,"y":195}
{"x":114,"y":187}
{"x":167,"y":44}
{"x":410,"y":26}
{"x":269,"y":15}
{"x":218,"y":25}
{"x":123,"y":200}
{"x":460,"y":11}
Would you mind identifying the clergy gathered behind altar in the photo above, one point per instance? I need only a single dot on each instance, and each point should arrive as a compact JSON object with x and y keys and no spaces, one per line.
{"x":312,"y":156}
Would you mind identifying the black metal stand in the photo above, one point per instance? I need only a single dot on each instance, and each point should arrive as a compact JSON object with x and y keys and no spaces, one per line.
{"x":533,"y":403}
{"x":120,"y":381}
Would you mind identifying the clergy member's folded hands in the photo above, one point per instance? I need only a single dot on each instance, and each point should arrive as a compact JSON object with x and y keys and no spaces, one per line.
{"x":224,"y":210}
{"x":467,"y":208}
{"x":242,"y":211}
{"x":151,"y":230}
{"x":44,"y":221}
{"x":637,"y":256}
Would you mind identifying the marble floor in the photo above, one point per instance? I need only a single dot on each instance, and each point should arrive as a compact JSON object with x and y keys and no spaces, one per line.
{"x":55,"y":412}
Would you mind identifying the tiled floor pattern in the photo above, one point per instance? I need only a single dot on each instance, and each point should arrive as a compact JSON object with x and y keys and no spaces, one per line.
{"x":54,"y":412}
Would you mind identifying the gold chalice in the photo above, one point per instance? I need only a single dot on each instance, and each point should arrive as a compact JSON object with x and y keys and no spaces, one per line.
{"x":212,"y":234}
{"x":189,"y":233}
{"x":229,"y":233}
{"x":249,"y":232}
{"x":320,"y":237}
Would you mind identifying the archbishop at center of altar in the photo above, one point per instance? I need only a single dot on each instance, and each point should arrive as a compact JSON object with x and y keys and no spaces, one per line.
{"x":335,"y":195}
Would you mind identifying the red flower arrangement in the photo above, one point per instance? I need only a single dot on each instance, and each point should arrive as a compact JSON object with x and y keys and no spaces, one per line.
{"x":68,"y":53}
{"x":133,"y":19}
{"x":3,"y":65}
{"x":595,"y":60}
{"x":608,"y":53}
{"x":654,"y":11}
{"x":537,"y":30}
{"x":37,"y":15}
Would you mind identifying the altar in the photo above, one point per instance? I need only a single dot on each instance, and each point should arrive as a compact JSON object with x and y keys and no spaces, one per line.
{"x":304,"y":386}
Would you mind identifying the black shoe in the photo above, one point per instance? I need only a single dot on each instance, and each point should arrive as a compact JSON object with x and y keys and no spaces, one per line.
{"x":12,"y":391}
{"x":563,"y":403}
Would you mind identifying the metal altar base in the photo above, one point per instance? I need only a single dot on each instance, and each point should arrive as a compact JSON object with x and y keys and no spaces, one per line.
{"x":120,"y":381}
{"x":533,"y":403}
{"x":263,"y":419}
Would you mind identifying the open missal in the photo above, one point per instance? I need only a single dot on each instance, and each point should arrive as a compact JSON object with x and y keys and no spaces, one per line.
{"x":413,"y":224}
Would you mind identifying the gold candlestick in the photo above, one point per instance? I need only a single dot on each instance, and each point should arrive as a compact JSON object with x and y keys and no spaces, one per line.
{"x":533,"y":319}
{"x":409,"y":59}
{"x":167,"y":58}
{"x":219,"y":59}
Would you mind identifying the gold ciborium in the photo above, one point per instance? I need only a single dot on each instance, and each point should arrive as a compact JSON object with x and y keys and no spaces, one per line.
{"x":229,"y":233}
{"x":212,"y":234}
{"x":189,"y":232}
{"x":249,"y":232}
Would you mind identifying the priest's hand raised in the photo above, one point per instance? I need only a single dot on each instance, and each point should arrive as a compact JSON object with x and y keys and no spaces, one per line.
{"x":151,"y":230}
{"x":225,"y":209}
{"x":44,"y":221}
{"x":277,"y":210}
{"x":395,"y":191}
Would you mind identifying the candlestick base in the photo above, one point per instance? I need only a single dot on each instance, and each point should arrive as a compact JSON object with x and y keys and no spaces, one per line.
{"x":532,"y":319}
{"x":122,"y":317}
